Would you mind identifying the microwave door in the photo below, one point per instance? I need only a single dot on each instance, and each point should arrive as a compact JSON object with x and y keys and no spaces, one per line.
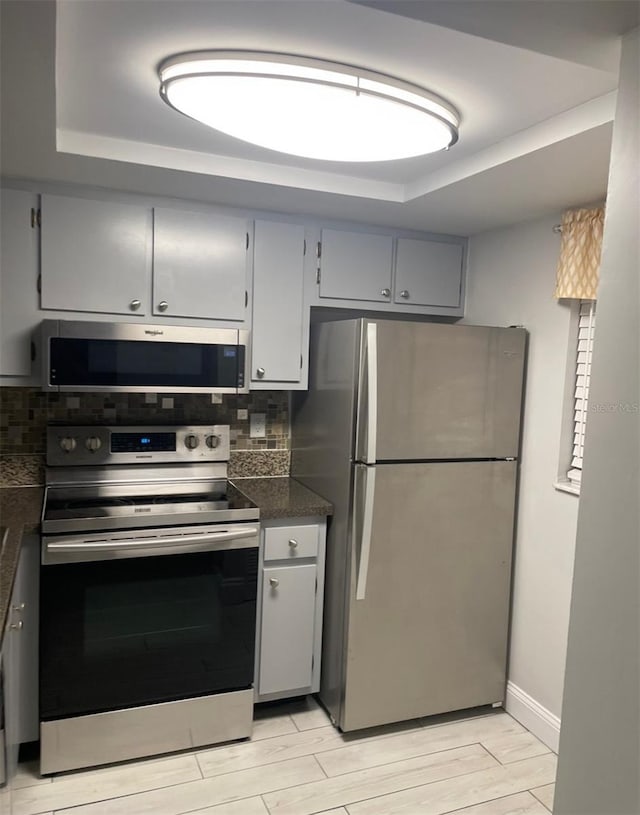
{"x":131,"y":357}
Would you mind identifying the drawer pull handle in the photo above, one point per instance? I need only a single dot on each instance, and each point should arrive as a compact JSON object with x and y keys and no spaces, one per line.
{"x":293,"y":543}
{"x":274,"y":582}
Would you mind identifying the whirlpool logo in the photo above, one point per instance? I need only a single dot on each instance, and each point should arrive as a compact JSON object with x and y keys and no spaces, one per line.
{"x":142,"y":509}
{"x":153,"y":332}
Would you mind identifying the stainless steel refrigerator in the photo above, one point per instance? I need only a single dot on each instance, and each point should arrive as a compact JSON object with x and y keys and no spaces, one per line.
{"x":412,"y":431}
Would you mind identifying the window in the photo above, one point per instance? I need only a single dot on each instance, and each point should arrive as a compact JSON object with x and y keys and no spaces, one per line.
{"x":582,"y":379}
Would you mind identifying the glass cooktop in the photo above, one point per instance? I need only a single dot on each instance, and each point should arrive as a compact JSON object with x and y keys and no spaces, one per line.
{"x":85,"y":506}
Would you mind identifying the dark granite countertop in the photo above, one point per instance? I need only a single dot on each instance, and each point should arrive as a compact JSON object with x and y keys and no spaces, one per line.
{"x":282,"y":497}
{"x":20,"y":509}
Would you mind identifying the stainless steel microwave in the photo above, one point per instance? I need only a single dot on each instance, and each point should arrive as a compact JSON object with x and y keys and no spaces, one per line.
{"x":87,"y":356}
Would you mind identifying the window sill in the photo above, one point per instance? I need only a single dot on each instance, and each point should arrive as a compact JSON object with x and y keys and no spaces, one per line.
{"x":566,"y":486}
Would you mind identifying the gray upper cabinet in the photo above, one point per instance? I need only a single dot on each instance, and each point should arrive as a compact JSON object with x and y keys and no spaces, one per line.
{"x":280,"y":323}
{"x":428,"y":273}
{"x":355,"y":266}
{"x":18,"y":280}
{"x":200,"y":265}
{"x":95,"y":256}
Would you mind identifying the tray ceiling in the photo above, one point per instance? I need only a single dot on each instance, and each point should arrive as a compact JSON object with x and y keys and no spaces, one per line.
{"x":536,"y":113}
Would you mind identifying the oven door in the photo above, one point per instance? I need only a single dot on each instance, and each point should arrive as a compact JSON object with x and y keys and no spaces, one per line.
{"x":146,"y":622}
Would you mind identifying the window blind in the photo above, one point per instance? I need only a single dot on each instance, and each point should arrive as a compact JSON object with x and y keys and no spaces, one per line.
{"x":584,"y":351}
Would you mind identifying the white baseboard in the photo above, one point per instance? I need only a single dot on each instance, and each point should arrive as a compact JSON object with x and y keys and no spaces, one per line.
{"x":536,"y":718}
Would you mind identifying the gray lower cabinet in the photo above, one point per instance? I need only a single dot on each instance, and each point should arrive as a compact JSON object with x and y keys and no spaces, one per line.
{"x":19,"y":665}
{"x":290,"y":602}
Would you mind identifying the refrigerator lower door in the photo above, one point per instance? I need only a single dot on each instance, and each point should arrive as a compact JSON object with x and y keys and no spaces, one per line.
{"x":430,"y":632}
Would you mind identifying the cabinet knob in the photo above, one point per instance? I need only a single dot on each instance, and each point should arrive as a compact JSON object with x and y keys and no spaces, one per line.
{"x":134,"y":305}
{"x":17,"y":626}
{"x":261,"y":372}
{"x":19,"y":607}
{"x":293,"y":543}
{"x":274,"y":582}
{"x":385,"y":292}
{"x":404,"y":294}
{"x":163,"y":305}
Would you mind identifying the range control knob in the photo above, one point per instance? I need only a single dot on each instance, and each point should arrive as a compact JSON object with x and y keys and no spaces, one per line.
{"x":68,"y":444}
{"x":93,"y":443}
{"x":191,"y":441}
{"x":213,"y":441}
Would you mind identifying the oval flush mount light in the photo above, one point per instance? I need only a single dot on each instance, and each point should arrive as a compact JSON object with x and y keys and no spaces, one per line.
{"x":307,"y":107}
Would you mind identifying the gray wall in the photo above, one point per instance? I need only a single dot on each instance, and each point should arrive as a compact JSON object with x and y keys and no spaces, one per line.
{"x":511,"y":281}
{"x":599,"y":763}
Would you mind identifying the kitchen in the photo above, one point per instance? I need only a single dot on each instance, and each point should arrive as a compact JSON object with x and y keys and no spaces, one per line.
{"x":509,"y":281}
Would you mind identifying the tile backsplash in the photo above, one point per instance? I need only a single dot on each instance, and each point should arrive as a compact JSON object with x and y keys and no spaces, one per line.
{"x":26,"y":412}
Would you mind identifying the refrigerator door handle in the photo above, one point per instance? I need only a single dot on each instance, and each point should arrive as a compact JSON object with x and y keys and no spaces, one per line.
{"x":367,"y":527}
{"x":372,"y":392}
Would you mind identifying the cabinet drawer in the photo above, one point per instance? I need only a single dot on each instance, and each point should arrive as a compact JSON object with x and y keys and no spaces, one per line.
{"x":290,"y":542}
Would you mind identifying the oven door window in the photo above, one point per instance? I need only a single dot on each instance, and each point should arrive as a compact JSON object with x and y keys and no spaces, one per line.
{"x":125,"y":633}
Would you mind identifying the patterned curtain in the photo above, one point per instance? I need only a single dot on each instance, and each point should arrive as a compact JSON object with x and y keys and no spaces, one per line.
{"x":579,"y":264}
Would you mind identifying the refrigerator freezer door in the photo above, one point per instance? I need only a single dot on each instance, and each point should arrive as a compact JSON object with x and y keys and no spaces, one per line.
{"x":430,"y":634}
{"x":446,"y":392}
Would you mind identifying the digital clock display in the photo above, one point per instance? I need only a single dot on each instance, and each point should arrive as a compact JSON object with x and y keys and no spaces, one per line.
{"x":143,"y":442}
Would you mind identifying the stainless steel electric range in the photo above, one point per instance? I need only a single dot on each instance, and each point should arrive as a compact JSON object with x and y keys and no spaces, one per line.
{"x":148,"y":595}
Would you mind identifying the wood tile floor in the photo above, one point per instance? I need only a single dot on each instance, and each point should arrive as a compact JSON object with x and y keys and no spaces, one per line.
{"x":297,"y":764}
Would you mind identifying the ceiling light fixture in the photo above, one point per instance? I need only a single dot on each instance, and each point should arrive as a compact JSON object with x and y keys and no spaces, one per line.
{"x":308,"y":107}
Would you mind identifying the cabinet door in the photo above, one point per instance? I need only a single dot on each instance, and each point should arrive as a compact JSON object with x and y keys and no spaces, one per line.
{"x":199,"y":265}
{"x":278,"y":278}
{"x":18,"y":281}
{"x":95,"y":256}
{"x":428,"y":273}
{"x":26,"y":610}
{"x":12,"y":649}
{"x":288,"y":622}
{"x":355,"y":266}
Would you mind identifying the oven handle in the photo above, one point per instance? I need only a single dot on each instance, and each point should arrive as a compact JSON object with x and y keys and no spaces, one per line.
{"x":211,"y":541}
